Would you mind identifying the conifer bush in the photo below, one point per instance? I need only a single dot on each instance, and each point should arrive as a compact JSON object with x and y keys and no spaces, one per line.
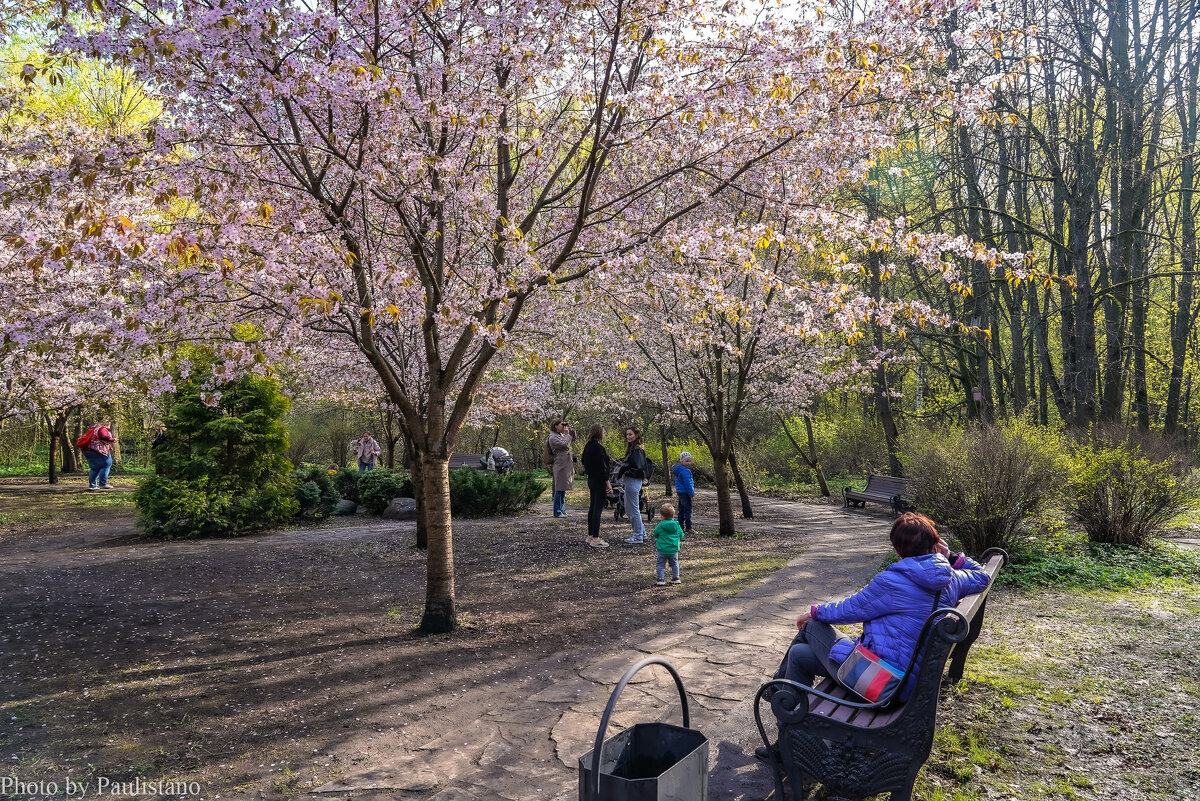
{"x":378,"y":487}
{"x":315,"y":492}
{"x":345,"y":481}
{"x":480,"y":493}
{"x":220,"y":469}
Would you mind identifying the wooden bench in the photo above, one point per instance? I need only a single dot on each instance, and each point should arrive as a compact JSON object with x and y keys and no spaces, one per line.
{"x":856,"y":749}
{"x":881,"y":489}
{"x":464,"y":460}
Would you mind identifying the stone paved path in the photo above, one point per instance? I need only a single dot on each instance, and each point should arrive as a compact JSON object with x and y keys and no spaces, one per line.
{"x":528,"y":751}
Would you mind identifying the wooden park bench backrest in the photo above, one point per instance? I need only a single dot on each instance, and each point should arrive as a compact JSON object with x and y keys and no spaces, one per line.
{"x":887,"y":485}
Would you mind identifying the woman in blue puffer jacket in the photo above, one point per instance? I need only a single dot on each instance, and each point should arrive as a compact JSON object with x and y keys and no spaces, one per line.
{"x":892,"y":608}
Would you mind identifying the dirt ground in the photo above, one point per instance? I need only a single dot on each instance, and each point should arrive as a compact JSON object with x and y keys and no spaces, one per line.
{"x":265,"y":666}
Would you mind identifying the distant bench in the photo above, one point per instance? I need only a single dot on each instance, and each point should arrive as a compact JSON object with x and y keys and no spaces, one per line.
{"x":464,"y":460}
{"x":882,"y":489}
{"x":856,"y":749}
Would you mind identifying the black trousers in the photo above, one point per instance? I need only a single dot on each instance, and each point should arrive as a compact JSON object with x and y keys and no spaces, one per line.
{"x":598,"y":494}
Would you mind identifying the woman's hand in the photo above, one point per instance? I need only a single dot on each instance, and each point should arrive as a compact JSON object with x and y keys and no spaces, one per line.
{"x":942,"y":548}
{"x":805,"y":616}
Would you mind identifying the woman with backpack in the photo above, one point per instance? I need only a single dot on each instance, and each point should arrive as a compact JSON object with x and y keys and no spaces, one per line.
{"x":633,"y":473}
{"x":97,"y":447}
{"x":563,"y":463}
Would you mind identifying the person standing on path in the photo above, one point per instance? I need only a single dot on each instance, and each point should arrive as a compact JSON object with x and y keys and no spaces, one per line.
{"x":563,"y":469}
{"x":598,"y":467}
{"x":667,"y":536}
{"x":632,"y":474}
{"x":366,"y":450}
{"x":685,"y":488}
{"x":97,"y":447}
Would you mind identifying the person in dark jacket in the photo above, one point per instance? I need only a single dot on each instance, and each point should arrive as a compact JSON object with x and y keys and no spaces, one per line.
{"x":597,"y":467}
{"x":893,"y":607}
{"x":632,"y":475}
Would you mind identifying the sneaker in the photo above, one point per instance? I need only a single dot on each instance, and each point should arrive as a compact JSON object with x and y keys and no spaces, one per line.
{"x":676,"y":581}
{"x":660,"y":583}
{"x":633,"y":541}
{"x":91,"y":487}
{"x":596,"y":542}
{"x":105,"y":486}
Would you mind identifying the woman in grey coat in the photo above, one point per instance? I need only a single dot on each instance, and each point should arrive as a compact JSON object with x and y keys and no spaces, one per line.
{"x":563,"y":469}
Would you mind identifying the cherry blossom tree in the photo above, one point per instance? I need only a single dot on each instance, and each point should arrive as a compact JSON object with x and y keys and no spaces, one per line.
{"x":415,"y":178}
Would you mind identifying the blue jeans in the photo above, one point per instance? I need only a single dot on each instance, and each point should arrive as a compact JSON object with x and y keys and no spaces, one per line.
{"x":98,"y":466}
{"x":560,"y":502}
{"x":633,"y":491}
{"x":809,"y":654}
{"x":665,"y":559}
{"x":685,"y":510}
{"x":366,"y":467}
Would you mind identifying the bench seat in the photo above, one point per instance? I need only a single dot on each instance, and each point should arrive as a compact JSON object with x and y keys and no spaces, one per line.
{"x":890,"y":490}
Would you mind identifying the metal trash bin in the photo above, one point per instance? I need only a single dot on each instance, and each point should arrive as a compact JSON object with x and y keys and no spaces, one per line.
{"x":648,"y":762}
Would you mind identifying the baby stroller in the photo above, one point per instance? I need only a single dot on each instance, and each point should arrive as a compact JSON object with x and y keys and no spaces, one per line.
{"x":497,"y":459}
{"x":617,"y":497}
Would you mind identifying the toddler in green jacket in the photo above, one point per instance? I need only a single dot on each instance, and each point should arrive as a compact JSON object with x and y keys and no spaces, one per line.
{"x":667,"y":535}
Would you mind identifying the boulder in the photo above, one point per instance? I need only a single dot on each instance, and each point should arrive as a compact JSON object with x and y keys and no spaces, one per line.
{"x":401,"y":509}
{"x":344,"y":507}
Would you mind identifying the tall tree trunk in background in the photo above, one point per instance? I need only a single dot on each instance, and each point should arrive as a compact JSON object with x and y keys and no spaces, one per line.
{"x":809,"y":458}
{"x":1187,"y":98}
{"x":69,"y":465}
{"x":747,"y":512}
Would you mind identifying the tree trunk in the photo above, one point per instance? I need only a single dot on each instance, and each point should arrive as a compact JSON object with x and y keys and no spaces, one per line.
{"x":414,"y":459}
{"x":440,"y":615}
{"x":54,"y":426}
{"x":747,"y":512}
{"x":724,"y":506}
{"x":69,"y":465}
{"x":666,"y":471}
{"x":812,"y":459}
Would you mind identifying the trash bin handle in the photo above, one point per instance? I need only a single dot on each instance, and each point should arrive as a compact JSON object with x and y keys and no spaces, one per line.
{"x":612,"y":702}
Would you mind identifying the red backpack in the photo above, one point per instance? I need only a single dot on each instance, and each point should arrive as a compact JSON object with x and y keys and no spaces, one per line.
{"x":86,"y":439}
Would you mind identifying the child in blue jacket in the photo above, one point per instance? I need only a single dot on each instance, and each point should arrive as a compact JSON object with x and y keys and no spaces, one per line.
{"x":685,"y":488}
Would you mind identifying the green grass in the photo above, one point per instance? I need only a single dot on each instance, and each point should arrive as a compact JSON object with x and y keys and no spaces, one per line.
{"x":1080,"y":565}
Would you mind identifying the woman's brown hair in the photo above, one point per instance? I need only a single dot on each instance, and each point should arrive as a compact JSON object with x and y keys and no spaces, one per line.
{"x":596,"y":432}
{"x":914,"y":534}
{"x":637,"y":439}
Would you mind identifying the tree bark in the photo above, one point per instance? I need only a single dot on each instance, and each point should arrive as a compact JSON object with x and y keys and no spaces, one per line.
{"x":747,"y":512}
{"x":666,"y":470}
{"x":724,"y":506}
{"x":440,"y":615}
{"x":54,"y":429}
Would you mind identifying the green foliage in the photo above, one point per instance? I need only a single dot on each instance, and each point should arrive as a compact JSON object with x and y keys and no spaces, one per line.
{"x":314,"y":491}
{"x":983,"y":483}
{"x":1079,"y":565}
{"x":220,"y":470}
{"x":1126,"y":488}
{"x":479,"y":493}
{"x":346,"y":482}
{"x":378,"y":487}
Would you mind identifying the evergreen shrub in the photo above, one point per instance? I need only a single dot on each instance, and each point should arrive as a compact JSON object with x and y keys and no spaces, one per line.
{"x":480,"y":493}
{"x":378,"y":487}
{"x":315,"y":492}
{"x":984,"y":483}
{"x":221,"y":468}
{"x":1126,"y":487}
{"x":346,"y":482}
